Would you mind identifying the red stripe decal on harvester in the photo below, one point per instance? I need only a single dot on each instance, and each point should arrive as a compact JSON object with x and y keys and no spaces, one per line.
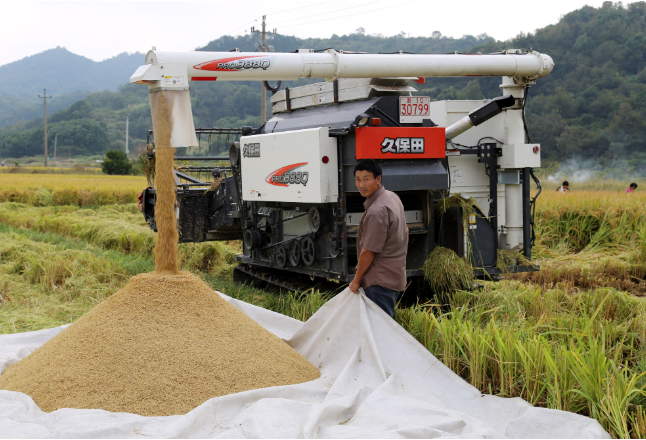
{"x":280,"y":171}
{"x":228,"y":64}
{"x":204,"y":78}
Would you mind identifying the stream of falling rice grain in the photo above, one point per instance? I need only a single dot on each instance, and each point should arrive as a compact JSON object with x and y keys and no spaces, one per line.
{"x":167,"y":237}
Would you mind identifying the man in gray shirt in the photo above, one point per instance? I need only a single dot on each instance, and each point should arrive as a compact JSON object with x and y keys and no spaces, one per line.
{"x":382,"y":240}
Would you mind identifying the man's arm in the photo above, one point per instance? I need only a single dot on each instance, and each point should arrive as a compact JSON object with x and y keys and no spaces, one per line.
{"x":365,"y":260}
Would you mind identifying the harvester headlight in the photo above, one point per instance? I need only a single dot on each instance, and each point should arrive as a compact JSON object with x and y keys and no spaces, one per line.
{"x":362,"y":120}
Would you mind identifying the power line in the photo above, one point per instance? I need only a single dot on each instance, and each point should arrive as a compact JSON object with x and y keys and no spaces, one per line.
{"x":352,"y":15}
{"x":274,"y":13}
{"x":303,"y":7}
{"x":325,"y":13}
{"x":249,"y":22}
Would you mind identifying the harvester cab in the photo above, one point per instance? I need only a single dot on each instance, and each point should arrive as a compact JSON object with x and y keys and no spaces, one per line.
{"x":288,"y":191}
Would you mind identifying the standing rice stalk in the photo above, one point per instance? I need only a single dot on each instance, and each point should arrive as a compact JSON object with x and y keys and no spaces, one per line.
{"x":573,"y":352}
{"x":445,"y":271}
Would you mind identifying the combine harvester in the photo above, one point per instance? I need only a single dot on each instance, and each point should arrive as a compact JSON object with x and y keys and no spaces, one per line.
{"x":289,"y":192}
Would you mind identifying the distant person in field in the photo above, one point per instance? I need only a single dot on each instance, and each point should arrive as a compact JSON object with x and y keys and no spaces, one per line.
{"x":631,"y":189}
{"x":565,"y":187}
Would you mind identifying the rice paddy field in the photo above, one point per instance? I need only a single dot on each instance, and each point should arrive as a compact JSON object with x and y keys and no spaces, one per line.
{"x":76,"y":169}
{"x":70,"y":189}
{"x":571,"y":336}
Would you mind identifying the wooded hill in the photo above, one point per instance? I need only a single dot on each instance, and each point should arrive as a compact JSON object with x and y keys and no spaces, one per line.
{"x":591,"y":107}
{"x":66,"y":76}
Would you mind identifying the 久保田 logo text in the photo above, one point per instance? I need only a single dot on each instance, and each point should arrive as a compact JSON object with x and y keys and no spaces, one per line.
{"x":287,"y":175}
{"x":251,"y":150}
{"x":403,"y":145}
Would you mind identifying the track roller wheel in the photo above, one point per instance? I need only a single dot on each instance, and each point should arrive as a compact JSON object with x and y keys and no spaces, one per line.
{"x":294,"y":253}
{"x":281,"y":256}
{"x":315,"y":219}
{"x":308,"y":251}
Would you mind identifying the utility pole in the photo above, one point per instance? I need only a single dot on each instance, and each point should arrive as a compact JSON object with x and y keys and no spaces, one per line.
{"x":55,"y":142}
{"x":45,"y":98}
{"x":127,"y":135}
{"x":263,"y":47}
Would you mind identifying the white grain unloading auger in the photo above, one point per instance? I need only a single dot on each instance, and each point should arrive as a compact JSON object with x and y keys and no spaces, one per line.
{"x":289,"y":192}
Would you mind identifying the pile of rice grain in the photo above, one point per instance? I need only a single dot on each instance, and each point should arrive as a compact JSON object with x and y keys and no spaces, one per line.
{"x":162,"y":345}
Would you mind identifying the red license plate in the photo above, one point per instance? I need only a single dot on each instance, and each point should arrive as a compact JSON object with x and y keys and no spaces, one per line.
{"x":413,"y":109}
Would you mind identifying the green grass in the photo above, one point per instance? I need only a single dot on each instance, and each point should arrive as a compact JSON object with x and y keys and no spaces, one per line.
{"x":52,"y":280}
{"x":115,"y":227}
{"x":133,"y":264}
{"x":582,"y":353}
{"x":45,"y":283}
{"x":297,"y":306}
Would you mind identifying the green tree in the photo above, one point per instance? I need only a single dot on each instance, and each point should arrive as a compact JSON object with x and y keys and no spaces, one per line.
{"x":577,"y":140}
{"x":472,"y":90}
{"x":583,"y":44}
{"x":116,"y":162}
{"x":626,"y":119}
{"x":633,"y":53}
{"x":118,"y":145}
{"x":86,"y":135}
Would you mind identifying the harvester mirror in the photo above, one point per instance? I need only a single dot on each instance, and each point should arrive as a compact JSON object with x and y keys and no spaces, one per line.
{"x":247,"y":131}
{"x":234,"y":153}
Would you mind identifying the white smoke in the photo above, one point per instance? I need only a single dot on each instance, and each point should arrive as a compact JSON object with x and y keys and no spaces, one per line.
{"x":574,"y":170}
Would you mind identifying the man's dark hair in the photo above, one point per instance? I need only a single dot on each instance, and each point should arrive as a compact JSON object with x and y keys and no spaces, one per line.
{"x":368,"y":165}
{"x":633,"y":185}
{"x":566,"y":183}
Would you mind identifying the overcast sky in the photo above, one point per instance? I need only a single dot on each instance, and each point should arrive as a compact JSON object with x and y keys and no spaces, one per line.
{"x":103,"y":29}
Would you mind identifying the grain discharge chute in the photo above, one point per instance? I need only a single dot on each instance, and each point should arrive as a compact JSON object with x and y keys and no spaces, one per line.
{"x":289,"y":192}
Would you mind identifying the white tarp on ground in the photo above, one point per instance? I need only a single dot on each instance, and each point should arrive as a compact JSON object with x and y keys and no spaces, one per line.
{"x":376,"y":381}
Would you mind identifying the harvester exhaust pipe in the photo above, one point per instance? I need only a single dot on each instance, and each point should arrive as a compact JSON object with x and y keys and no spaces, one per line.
{"x":480,"y":115}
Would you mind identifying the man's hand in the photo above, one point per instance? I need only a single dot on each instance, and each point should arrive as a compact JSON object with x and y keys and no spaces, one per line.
{"x":365,"y":260}
{"x":354,"y":285}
